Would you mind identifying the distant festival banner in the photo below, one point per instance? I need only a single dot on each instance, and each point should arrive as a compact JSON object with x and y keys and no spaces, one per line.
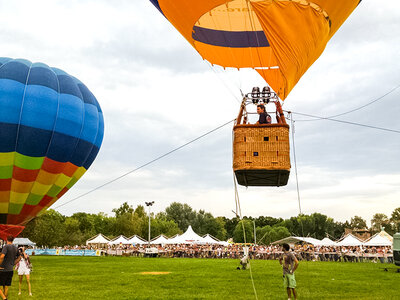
{"x":62,"y":252}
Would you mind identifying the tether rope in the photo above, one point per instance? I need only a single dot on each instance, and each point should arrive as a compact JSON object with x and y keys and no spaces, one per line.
{"x":355,"y":109}
{"x":146,"y":164}
{"x":239,"y":213}
{"x":346,"y":122}
{"x":297,"y":186}
{"x":295,"y":164}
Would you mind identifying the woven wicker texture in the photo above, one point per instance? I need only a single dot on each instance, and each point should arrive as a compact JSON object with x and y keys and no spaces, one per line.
{"x":261,"y":147}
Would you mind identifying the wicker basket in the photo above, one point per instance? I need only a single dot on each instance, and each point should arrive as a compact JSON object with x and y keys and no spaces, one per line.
{"x":261,"y":154}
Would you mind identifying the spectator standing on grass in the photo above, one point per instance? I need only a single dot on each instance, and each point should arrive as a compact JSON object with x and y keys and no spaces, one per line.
{"x":289,"y":264}
{"x":8,"y":258}
{"x":24,"y":268}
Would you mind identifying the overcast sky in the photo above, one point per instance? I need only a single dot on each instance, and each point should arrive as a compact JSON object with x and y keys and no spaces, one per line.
{"x":157,"y":94}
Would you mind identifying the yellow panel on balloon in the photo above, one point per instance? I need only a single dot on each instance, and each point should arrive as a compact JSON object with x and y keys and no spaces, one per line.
{"x":7,"y":159}
{"x":62,"y":180}
{"x":18,"y":198}
{"x":79,"y":173}
{"x":3,"y":208}
{"x":40,"y":189}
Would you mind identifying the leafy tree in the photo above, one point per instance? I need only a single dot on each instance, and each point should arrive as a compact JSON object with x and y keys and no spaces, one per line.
{"x":182,"y":214}
{"x":395,"y":219}
{"x":161,"y":225}
{"x":239,"y":237}
{"x":262,"y":221}
{"x":103,"y":224}
{"x":205,"y":223}
{"x":230,"y":225}
{"x":357,"y":223}
{"x":221,"y":232}
{"x":379,"y":221}
{"x":73,"y":235}
{"x":123,"y":209}
{"x":49,"y":229}
{"x":85,"y":223}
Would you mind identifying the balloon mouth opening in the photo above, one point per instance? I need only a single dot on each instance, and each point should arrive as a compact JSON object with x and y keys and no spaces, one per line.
{"x":7,"y":230}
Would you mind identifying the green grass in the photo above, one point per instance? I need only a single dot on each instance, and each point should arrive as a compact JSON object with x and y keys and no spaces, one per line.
{"x":119,"y":278}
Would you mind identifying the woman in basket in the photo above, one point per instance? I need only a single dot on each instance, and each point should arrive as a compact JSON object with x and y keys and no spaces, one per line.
{"x":24,"y":268}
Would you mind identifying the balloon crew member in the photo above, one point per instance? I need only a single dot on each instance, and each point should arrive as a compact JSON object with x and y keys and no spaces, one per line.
{"x":264,"y":118}
{"x":24,"y":267}
{"x":289,"y":264}
{"x":8,"y":258}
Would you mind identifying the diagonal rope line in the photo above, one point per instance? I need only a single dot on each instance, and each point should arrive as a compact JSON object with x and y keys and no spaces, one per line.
{"x":347,"y":122}
{"x":358,"y":108}
{"x":146,"y":164}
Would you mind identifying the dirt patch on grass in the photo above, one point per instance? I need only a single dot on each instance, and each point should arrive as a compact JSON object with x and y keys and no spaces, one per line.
{"x":154,"y":273}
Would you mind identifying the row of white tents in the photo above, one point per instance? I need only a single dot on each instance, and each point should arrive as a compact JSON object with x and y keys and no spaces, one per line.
{"x":189,"y":237}
{"x":379,"y":239}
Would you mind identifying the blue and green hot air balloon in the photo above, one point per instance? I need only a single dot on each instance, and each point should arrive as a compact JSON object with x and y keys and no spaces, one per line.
{"x":51,"y":129}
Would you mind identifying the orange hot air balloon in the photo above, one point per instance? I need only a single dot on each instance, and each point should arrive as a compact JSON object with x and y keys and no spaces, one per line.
{"x":280,"y":39}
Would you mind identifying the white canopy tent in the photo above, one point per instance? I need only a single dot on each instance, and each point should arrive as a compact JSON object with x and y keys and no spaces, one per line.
{"x":98,"y":239}
{"x":378,"y":240}
{"x":298,"y":239}
{"x":119,"y":240}
{"x":189,"y":237}
{"x":23,"y":242}
{"x":175,"y":240}
{"x":160,"y":240}
{"x":349,"y":240}
{"x":209,"y":239}
{"x":327,"y":242}
{"x":136,"y":240}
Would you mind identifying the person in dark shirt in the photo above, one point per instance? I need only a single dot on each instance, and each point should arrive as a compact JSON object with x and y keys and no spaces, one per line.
{"x":8,"y":258}
{"x":264,"y":118}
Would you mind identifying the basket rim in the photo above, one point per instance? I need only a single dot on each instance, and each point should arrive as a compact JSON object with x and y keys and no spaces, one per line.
{"x":275,"y":125}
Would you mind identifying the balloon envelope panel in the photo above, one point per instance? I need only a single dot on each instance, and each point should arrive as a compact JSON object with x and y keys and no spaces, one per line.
{"x":51,"y":129}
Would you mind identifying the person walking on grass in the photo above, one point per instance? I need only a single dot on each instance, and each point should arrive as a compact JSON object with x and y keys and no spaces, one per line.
{"x":24,"y":268}
{"x":289,"y":264}
{"x":8,"y":258}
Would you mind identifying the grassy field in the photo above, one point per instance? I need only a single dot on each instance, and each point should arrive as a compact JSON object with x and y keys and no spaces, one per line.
{"x":122,"y":278}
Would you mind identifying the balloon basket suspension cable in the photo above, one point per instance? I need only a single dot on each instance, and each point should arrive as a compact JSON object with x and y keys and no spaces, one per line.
{"x":290,"y":116}
{"x":239,"y":214}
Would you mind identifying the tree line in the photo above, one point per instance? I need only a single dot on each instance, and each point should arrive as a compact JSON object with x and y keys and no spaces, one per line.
{"x":54,"y":229}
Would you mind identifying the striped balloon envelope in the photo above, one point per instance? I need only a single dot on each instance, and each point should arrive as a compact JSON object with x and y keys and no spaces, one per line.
{"x":51,"y":129}
{"x":280,"y":39}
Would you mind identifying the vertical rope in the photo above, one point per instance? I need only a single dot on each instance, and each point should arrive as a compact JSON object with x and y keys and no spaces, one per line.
{"x":295,"y":163}
{"x":244,"y":231}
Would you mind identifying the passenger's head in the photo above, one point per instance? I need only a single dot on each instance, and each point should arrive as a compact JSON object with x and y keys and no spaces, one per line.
{"x":260,"y":108}
{"x":10,"y":238}
{"x":286,"y":247}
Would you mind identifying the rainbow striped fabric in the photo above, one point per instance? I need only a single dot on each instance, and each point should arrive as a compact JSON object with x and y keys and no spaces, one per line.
{"x":51,"y":129}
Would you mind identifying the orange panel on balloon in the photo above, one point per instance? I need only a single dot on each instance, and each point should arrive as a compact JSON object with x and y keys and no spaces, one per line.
{"x":5,"y":196}
{"x":69,"y":169}
{"x":21,"y":186}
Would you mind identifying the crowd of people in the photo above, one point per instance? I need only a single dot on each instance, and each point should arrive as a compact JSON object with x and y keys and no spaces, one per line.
{"x":271,"y":252}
